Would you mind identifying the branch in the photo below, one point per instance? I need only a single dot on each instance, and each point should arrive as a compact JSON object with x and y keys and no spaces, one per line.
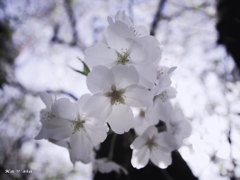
{"x":33,"y":93}
{"x":157,"y":18}
{"x":63,"y":92}
{"x":73,"y":22}
{"x":75,"y":39}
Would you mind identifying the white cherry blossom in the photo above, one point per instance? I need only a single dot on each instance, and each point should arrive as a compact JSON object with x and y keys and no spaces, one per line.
{"x":162,"y":86}
{"x":114,"y":91}
{"x":124,"y":75}
{"x":139,"y":31}
{"x":45,"y":114}
{"x":70,"y":121}
{"x":123,"y":48}
{"x":158,"y":111}
{"x":140,"y":123}
{"x":154,"y":146}
{"x":103,"y":165}
{"x":176,"y":125}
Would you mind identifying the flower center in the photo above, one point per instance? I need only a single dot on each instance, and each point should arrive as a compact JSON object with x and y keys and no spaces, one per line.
{"x":142,"y":113}
{"x":46,"y":115}
{"x":123,"y":57}
{"x":150,"y":143}
{"x":135,"y":32}
{"x":77,"y":124}
{"x":160,"y":74}
{"x":164,"y":95}
{"x":116,"y":96}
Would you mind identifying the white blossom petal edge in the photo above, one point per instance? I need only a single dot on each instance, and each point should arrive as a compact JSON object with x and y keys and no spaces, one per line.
{"x":103,"y":165}
{"x":71,"y":121}
{"x":112,"y":102}
{"x":45,"y":114}
{"x":150,"y":145}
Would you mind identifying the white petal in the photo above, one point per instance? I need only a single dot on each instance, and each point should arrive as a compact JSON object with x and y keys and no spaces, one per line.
{"x":72,"y":157}
{"x":63,"y":143}
{"x":59,"y":129}
{"x":81,"y":146}
{"x":159,"y":111}
{"x":140,"y":157}
{"x":100,"y":80}
{"x":148,"y":74}
{"x":171,"y":92}
{"x":139,"y":54}
{"x":161,"y":158}
{"x":151,"y":45}
{"x":138,"y":143}
{"x":121,"y":119}
{"x":64,"y":108}
{"x":141,"y":31}
{"x":125,"y":76}
{"x":152,"y":115}
{"x":98,"y":106}
{"x":177,"y":116}
{"x":119,"y":72}
{"x":117,"y":35}
{"x":100,"y":54}
{"x":171,"y":70}
{"x":97,"y":131}
{"x":140,"y":125}
{"x":138,"y":97}
{"x":103,"y":165}
{"x":82,"y":101}
{"x":148,"y":42}
{"x":155,"y":55}
{"x":150,"y":132}
{"x":183,"y":130}
{"x":42,"y":134}
{"x":47,"y":99}
{"x":163,"y":83}
{"x":121,"y":16}
{"x":167,"y":141}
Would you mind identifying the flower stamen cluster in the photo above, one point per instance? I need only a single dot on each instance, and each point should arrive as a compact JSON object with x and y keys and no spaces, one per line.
{"x":46,"y":115}
{"x":136,"y":33}
{"x":142,"y":113}
{"x":151,"y":143}
{"x":77,"y":124}
{"x":116,"y":96}
{"x":124,"y":57}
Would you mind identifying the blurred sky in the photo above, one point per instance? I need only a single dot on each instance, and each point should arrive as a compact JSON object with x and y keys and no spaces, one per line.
{"x":187,"y":32}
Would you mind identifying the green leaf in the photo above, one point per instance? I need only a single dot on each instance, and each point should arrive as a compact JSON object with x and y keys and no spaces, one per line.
{"x":85,"y":71}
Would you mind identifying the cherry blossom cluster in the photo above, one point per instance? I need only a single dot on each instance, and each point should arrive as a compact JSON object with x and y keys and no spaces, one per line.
{"x":125,"y":74}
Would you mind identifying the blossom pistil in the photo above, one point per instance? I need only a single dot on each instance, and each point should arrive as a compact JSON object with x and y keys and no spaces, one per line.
{"x":77,"y":124}
{"x":116,"y":95}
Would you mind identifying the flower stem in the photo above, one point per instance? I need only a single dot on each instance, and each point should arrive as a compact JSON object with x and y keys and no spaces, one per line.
{"x":110,"y":154}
